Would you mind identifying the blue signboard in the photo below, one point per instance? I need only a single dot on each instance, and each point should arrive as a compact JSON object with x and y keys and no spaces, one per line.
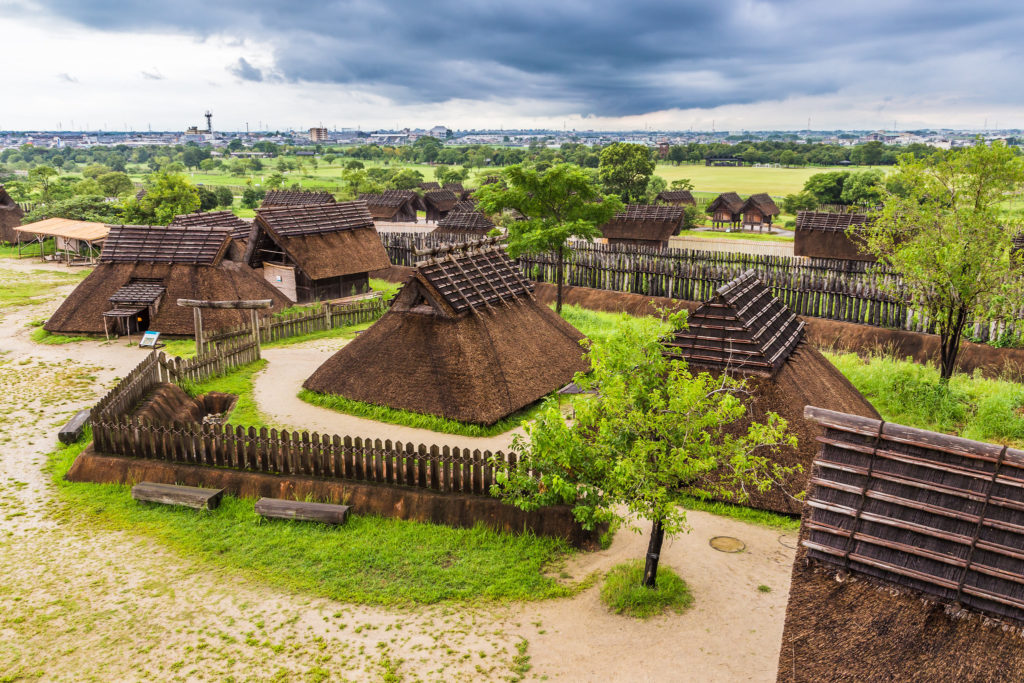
{"x":149,"y":339}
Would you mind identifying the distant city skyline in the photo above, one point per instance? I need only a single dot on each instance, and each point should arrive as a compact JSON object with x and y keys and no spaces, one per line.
{"x":734,"y":65}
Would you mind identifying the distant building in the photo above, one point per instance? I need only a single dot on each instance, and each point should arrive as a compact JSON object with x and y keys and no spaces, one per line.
{"x":318,"y":135}
{"x":440,"y":132}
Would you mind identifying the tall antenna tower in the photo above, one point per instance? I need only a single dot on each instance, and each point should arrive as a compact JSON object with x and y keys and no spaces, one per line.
{"x":209,"y":121}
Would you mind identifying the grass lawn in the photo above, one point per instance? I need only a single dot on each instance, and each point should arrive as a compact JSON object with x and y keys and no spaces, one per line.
{"x":25,"y":289}
{"x":745,"y":235}
{"x":747,"y":180}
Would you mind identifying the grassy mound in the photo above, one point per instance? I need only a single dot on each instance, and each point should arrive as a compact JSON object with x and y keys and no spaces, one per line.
{"x":623,"y":593}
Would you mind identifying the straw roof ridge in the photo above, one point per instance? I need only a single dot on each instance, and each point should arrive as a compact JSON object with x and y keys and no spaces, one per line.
{"x":472,"y":275}
{"x":676,"y":196}
{"x":730,"y":201}
{"x":204,"y":245}
{"x":465,"y":221}
{"x":239,"y":228}
{"x":296,"y":198}
{"x":762,"y":203}
{"x":457,"y":188}
{"x":388,"y":198}
{"x":828,"y":220}
{"x":430,"y":185}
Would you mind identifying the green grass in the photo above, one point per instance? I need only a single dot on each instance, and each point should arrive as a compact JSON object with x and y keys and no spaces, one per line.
{"x":907,"y":393}
{"x":26,"y":289}
{"x":41,"y":336}
{"x":239,"y":382}
{"x":772,"y":520}
{"x":744,"y":235}
{"x":747,"y":180}
{"x":27,"y":249}
{"x":623,"y":593}
{"x":372,"y":560}
{"x":600,"y":325}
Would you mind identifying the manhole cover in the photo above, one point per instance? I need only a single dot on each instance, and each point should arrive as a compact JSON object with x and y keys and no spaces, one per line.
{"x":727,"y":544}
{"x":788,"y":541}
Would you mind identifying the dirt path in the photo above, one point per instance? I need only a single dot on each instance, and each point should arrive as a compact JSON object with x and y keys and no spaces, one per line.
{"x":84,"y":603}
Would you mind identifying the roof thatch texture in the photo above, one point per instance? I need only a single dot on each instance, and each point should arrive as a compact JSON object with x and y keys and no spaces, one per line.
{"x":442,"y":200}
{"x":465,"y":205}
{"x":218,"y":219}
{"x":201,"y":246}
{"x":463,"y":339}
{"x":761,"y":203}
{"x":911,"y":558}
{"x":677,"y":197}
{"x":296,"y":198}
{"x":465,"y":221}
{"x":729,"y":202}
{"x":10,"y":217}
{"x":648,"y":222}
{"x":391,"y":204}
{"x":82,"y":311}
{"x":828,"y":221}
{"x":323,"y":240}
{"x":430,"y":185}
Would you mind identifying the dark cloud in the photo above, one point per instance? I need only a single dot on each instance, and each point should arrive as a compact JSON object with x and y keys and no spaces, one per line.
{"x":605,"y":58}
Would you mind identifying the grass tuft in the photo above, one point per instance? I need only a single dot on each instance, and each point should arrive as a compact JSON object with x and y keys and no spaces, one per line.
{"x":623,"y":593}
{"x":41,"y":336}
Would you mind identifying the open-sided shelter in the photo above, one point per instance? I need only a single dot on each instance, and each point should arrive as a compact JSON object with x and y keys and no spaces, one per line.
{"x":219,"y":219}
{"x":316,"y":252}
{"x":823,"y":234}
{"x":74,"y":242}
{"x":10,"y":217}
{"x":394,"y":206}
{"x":463,"y":222}
{"x":758,"y":211}
{"x":296,"y":198}
{"x":745,"y":331}
{"x":648,"y":225}
{"x":910,"y":563}
{"x":726,"y":210}
{"x":437,"y":203}
{"x":463,"y":339}
{"x":142,"y":272}
{"x":677,"y":197}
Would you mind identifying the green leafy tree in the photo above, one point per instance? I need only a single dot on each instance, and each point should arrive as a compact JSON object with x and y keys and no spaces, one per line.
{"x":559,"y":203}
{"x":42,"y":177}
{"x":251,"y":197}
{"x":949,"y":240}
{"x":693,"y":217}
{"x":88,"y":187}
{"x":80,"y":208}
{"x":827,"y":188}
{"x":801,"y":201}
{"x":207,"y":199}
{"x":95,"y":170}
{"x":115,"y":184}
{"x":169,"y":195}
{"x":654,"y":187}
{"x":224,"y":196}
{"x":274,"y":181}
{"x":354,"y":165}
{"x":625,"y":170}
{"x":864,"y":188}
{"x":681,"y":184}
{"x":406,"y":179}
{"x":651,"y":430}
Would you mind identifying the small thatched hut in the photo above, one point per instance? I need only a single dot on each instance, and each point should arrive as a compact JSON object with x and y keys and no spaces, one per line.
{"x":910,"y":565}
{"x":465,"y":222}
{"x":316,"y":252}
{"x":677,"y":197}
{"x":438,"y":203}
{"x":464,"y":339}
{"x":458,"y":190}
{"x":239,"y":228}
{"x":296,"y":198}
{"x":144,"y":270}
{"x":393,"y":206}
{"x":822,"y":234}
{"x":726,"y":210}
{"x":649,"y":225}
{"x":758,"y":211}
{"x":745,"y":331}
{"x":430,"y":185}
{"x":10,"y":217}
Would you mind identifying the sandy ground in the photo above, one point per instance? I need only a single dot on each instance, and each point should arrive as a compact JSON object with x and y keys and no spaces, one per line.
{"x":85,"y":603}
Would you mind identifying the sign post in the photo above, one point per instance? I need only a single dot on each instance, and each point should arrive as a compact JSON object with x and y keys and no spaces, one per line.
{"x":197,"y":305}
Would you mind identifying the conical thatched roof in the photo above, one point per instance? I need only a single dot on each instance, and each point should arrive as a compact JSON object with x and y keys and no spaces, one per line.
{"x":744,"y":330}
{"x":10,"y":217}
{"x":463,"y":339}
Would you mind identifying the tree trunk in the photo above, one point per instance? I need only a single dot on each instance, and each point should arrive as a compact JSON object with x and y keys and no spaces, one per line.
{"x":949,"y":345}
{"x":653,"y":555}
{"x":558,"y":276}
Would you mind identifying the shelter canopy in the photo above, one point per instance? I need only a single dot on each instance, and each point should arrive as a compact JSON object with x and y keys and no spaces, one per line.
{"x":86,"y":231}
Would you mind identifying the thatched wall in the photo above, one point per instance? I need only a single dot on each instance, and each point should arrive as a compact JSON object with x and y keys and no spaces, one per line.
{"x":834,"y":244}
{"x":10,"y":217}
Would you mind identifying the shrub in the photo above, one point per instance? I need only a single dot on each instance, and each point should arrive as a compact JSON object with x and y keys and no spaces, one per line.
{"x":623,"y":593}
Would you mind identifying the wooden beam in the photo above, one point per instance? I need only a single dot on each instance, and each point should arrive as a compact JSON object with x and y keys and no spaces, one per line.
{"x":241,"y":304}
{"x":169,"y":494}
{"x":324,"y":513}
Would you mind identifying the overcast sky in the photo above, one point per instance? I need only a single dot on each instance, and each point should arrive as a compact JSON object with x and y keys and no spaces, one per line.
{"x":731,"y":64}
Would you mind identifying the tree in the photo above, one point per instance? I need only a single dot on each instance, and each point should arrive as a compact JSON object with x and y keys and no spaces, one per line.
{"x":406,"y":179}
{"x":625,"y":170}
{"x":207,"y":199}
{"x":80,"y":208}
{"x":559,"y":203}
{"x":224,"y":196}
{"x":169,"y":195}
{"x":864,"y":188}
{"x":95,"y":170}
{"x":651,"y":430}
{"x":827,"y":188}
{"x":681,"y":184}
{"x":251,"y":197}
{"x":948,"y":240}
{"x":42,"y":177}
{"x":274,"y":181}
{"x":801,"y":201}
{"x":115,"y":184}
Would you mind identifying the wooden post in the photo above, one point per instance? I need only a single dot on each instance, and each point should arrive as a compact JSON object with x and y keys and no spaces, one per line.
{"x":255,"y":331}
{"x":197,"y":317}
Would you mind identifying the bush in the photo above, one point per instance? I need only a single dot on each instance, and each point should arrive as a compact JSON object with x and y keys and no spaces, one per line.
{"x":224,"y":196}
{"x":623,"y":593}
{"x":252,"y":197}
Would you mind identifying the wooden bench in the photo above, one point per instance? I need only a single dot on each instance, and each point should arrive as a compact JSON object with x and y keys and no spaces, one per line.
{"x":72,"y":431}
{"x":325,"y":513}
{"x":169,"y":494}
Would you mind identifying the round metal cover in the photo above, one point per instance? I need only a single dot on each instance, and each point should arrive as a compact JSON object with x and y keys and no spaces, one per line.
{"x":728,"y":544}
{"x":788,"y":540}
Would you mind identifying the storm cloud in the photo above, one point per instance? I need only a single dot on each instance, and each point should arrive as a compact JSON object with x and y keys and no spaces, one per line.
{"x":602,"y":58}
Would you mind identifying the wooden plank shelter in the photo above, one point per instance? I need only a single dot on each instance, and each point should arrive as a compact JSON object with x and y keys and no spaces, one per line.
{"x":726,"y":210}
{"x":911,"y":557}
{"x":296,"y":198}
{"x":10,"y":217}
{"x":758,"y":211}
{"x":438,"y":203}
{"x":74,"y":242}
{"x":397,"y":206}
{"x":677,"y":197}
{"x":316,"y":252}
{"x":821,"y":234}
{"x":649,"y":225}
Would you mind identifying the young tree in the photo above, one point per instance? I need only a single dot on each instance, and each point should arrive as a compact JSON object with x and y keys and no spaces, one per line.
{"x":559,"y":203}
{"x":224,"y":196}
{"x":625,"y":170}
{"x":681,"y":184}
{"x":169,"y":195}
{"x":948,"y":239}
{"x":42,"y":177}
{"x":651,"y":430}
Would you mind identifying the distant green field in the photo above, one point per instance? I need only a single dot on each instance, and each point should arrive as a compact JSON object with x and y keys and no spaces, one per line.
{"x":747,"y":180}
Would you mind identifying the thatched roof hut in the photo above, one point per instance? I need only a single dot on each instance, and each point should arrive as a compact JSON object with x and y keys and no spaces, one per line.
{"x":726,"y":209}
{"x":438,"y":203}
{"x":430,"y":185}
{"x":472,"y":222}
{"x":457,"y":189}
{"x":745,"y":331}
{"x":677,"y":197}
{"x":395,"y":206}
{"x":316,"y":252}
{"x":823,"y":234}
{"x":464,"y":339}
{"x":144,"y":270}
{"x":465,"y":205}
{"x":296,"y":198}
{"x":648,"y":225}
{"x":758,"y":210}
{"x":10,"y":217}
{"x":911,"y":558}
{"x":239,"y":227}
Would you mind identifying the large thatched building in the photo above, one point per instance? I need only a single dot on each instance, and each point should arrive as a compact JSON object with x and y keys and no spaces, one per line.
{"x":677,"y":197}
{"x":464,"y":339}
{"x":745,"y":331}
{"x":219,"y":219}
{"x":296,"y":198}
{"x":437,"y":203}
{"x":823,"y":234}
{"x":144,"y":270}
{"x":316,"y":252}
{"x":758,"y":211}
{"x":910,"y":565}
{"x":726,"y":210}
{"x":392,"y":206}
{"x":465,"y":222}
{"x":10,"y":217}
{"x":648,"y":225}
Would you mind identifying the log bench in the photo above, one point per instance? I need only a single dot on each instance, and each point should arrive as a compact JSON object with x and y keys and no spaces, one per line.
{"x":169,"y":494}
{"x":325,"y":513}
{"x":72,"y":431}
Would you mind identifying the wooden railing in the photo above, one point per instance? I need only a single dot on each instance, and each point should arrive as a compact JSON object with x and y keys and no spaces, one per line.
{"x":327,"y":316}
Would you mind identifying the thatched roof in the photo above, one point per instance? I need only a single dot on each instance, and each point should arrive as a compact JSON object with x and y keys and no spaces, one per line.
{"x":82,"y":312}
{"x":201,"y":246}
{"x":911,"y":558}
{"x":465,"y":205}
{"x":465,"y":221}
{"x":457,"y":188}
{"x":296,"y":198}
{"x":10,"y":217}
{"x":323,"y":240}
{"x":390,"y":203}
{"x":463,"y":339}
{"x":828,"y":221}
{"x":727,"y":201}
{"x":430,"y":185}
{"x":761,"y":203}
{"x":442,"y":200}
{"x":648,"y":222}
{"x":677,"y":197}
{"x":222,"y":219}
